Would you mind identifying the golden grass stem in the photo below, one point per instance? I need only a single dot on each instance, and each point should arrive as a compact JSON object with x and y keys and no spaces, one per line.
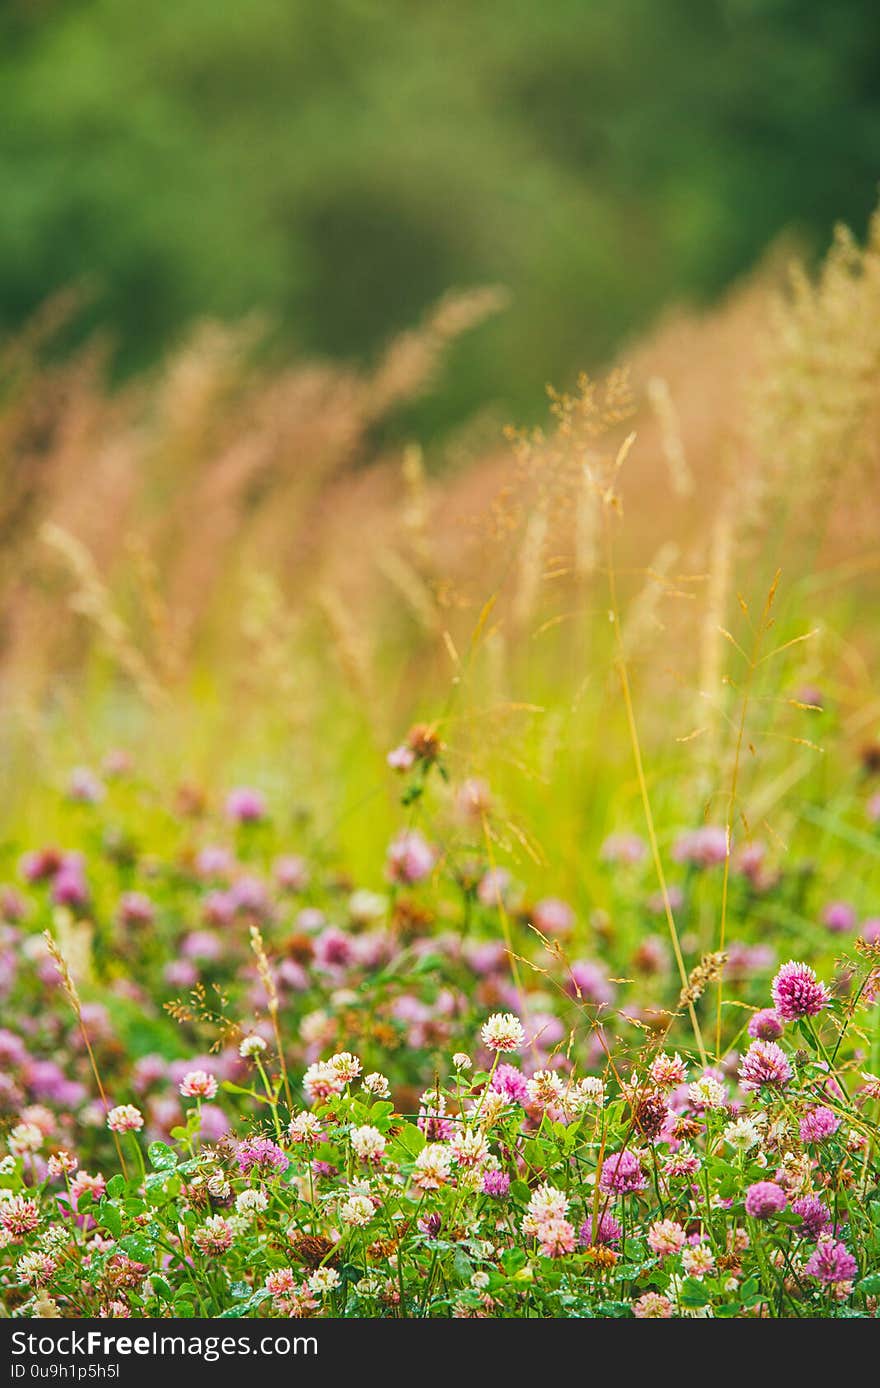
{"x":732,"y":797}
{"x":72,"y":994}
{"x":632,"y":728}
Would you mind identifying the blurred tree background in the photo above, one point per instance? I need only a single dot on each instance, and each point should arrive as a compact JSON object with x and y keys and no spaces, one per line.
{"x":338,"y":164}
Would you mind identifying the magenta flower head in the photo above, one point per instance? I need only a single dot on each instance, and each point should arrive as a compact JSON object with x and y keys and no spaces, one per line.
{"x":839,"y":917}
{"x":410,"y":858}
{"x":608,"y":1231}
{"x":798,"y":993}
{"x":245,"y":806}
{"x":496,"y":1183}
{"x":494,"y":887}
{"x":818,"y":1124}
{"x":815,"y":1216}
{"x":69,"y":887}
{"x":291,"y":872}
{"x":765,"y":1198}
{"x":703,"y":848}
{"x":136,"y":909}
{"x":553,"y":917}
{"x":84,"y":786}
{"x":870,"y":930}
{"x":117,"y":763}
{"x":512,"y":1083}
{"x":588,"y":982}
{"x":258,"y":1153}
{"x":213,"y":861}
{"x":41,"y":865}
{"x":623,"y":848}
{"x":831,"y":1261}
{"x":765,"y":1025}
{"x":401,"y":758}
{"x":622,"y":1174}
{"x":13,"y":906}
{"x":764,"y":1063}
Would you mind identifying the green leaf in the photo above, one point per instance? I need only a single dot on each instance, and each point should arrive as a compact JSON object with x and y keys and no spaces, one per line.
{"x":162,"y":1158}
{"x":109,"y":1218}
{"x":244,"y":1307}
{"x":411,"y":1139}
{"x":138,"y":1248}
{"x":693,"y":1293}
{"x":239,"y":1089}
{"x":428,"y":964}
{"x":513,"y":1260}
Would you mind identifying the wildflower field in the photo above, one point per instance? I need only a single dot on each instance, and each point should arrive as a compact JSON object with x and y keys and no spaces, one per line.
{"x":441,"y":878}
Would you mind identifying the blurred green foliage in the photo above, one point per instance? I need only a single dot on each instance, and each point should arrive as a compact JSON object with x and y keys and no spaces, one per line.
{"x":338,"y":164}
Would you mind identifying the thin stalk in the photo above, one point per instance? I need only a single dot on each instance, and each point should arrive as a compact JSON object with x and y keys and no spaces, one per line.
{"x":623,"y":676}
{"x":732,"y":797}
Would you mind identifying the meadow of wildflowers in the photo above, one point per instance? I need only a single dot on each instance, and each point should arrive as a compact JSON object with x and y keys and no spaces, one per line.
{"x":515,"y":956}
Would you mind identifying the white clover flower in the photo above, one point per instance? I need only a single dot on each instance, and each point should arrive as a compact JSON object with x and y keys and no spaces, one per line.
{"x":744,"y":1132}
{"x":368,"y":1143}
{"x":216,"y":1235}
{"x":218,"y":1187}
{"x":53,"y":1239}
{"x":324,"y":1280}
{"x":317,"y":1028}
{"x":502,"y":1032}
{"x":365,"y":906}
{"x":305,"y":1127}
{"x":125,"y":1118}
{"x":251,"y":1203}
{"x":35,"y":1268}
{"x":469,"y":1147}
{"x":546,"y":1203}
{"x":707,"y":1092}
{"x":346,"y":1066}
{"x":461,"y":1061}
{"x":356,"y":1211}
{"x":432,"y":1166}
{"x":321,"y":1080}
{"x":545,"y":1088}
{"x":368,"y":1286}
{"x":588,"y":1092}
{"x":25,"y":1138}
{"x":698,"y":1261}
{"x":433,"y":1102}
{"x":377,"y":1084}
{"x":480,"y":1280}
{"x":252,"y":1046}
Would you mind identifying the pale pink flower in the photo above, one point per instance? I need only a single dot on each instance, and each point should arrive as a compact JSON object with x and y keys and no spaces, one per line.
{"x":198,"y":1084}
